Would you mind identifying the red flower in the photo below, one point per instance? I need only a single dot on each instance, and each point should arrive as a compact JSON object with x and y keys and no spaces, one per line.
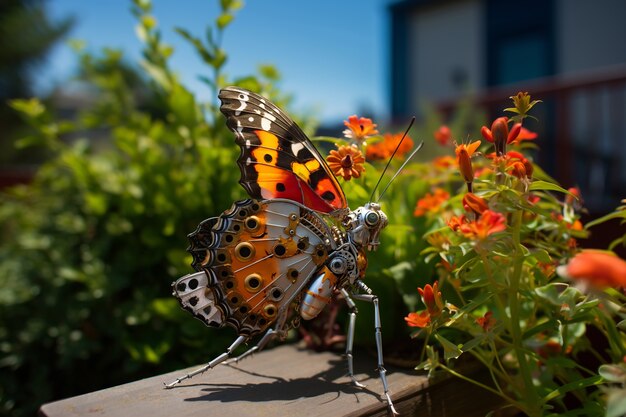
{"x":515,"y":163}
{"x":473,"y":203}
{"x":500,"y":135}
{"x":525,"y":134}
{"x":421,"y":319}
{"x":574,"y":197}
{"x":431,"y":203}
{"x":443,"y":135}
{"x":359,"y":128}
{"x":533,"y":199}
{"x":598,"y":268}
{"x":486,"y":321}
{"x":431,"y":296}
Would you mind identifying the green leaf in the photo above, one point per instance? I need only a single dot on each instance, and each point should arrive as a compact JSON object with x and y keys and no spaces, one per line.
{"x":547,"y":186}
{"x":475,"y":342}
{"x":183,"y":105}
{"x":158,"y":74}
{"x":613,"y":373}
{"x":149,"y":22}
{"x":28,"y":141}
{"x":166,"y":307}
{"x":614,"y":215}
{"x":96,"y":203}
{"x":549,"y":326}
{"x":573,"y":386}
{"x":541,"y":255}
{"x":32,"y":107}
{"x":558,"y":293}
{"x":224,"y":20}
{"x":270,"y":72}
{"x":450,"y":350}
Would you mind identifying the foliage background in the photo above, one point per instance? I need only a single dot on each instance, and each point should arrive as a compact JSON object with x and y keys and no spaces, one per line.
{"x":90,"y":247}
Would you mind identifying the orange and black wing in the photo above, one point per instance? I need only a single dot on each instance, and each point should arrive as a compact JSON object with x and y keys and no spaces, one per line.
{"x":257,"y":258}
{"x":277,"y":159}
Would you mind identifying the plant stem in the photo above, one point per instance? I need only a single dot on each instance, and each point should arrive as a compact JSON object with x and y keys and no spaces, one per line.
{"x":495,"y":373}
{"x":492,"y":281}
{"x":529,"y":393}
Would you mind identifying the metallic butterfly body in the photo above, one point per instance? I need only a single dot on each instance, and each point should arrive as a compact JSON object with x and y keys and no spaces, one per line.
{"x":280,"y":256}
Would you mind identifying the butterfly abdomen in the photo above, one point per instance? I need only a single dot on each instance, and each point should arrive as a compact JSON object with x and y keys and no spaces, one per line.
{"x":318,"y":295}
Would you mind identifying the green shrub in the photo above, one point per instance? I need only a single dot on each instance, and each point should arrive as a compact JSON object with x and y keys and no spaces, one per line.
{"x":90,"y":247}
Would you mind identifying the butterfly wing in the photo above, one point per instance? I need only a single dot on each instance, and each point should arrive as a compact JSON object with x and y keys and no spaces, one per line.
{"x":277,"y":159}
{"x":257,"y":257}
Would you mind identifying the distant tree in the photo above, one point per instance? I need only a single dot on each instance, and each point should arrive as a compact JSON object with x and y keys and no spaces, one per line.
{"x":26,"y":36}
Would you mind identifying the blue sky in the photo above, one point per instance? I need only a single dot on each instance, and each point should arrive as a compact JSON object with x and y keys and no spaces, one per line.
{"x":332,"y":54}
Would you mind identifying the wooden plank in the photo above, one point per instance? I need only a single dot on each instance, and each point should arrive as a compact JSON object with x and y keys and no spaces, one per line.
{"x":285,"y":381}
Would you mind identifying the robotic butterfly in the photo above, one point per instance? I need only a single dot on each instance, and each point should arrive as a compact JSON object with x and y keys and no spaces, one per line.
{"x":286,"y":251}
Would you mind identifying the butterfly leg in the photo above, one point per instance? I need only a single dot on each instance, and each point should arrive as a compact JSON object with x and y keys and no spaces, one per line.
{"x":350,"y":338}
{"x":371,"y":298}
{"x":221,"y":358}
{"x":267,"y":337}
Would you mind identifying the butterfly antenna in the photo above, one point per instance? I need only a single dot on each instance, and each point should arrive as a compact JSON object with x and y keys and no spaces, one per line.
{"x":399,"y":170}
{"x":391,"y":158}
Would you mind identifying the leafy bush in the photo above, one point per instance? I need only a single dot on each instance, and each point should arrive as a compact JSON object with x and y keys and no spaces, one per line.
{"x":90,"y":247}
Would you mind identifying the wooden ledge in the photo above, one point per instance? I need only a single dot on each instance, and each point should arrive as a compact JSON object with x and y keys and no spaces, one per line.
{"x":284,"y":381}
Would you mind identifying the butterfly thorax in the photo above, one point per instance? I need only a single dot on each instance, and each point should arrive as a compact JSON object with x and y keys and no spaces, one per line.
{"x":364,"y":224}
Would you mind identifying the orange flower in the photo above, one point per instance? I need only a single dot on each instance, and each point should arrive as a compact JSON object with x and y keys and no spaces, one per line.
{"x":455,"y":222}
{"x":346,"y":162}
{"x":515,"y":163}
{"x":359,"y":128}
{"x":431,"y":203}
{"x":463,"y":158}
{"x":598,"y":268}
{"x":438,"y":240}
{"x":486,"y":321}
{"x":473,"y":203}
{"x":421,"y":319}
{"x":431,"y":296}
{"x":524,"y":134}
{"x":385,"y":148}
{"x":443,"y":135}
{"x":443,"y":162}
{"x":499,"y":134}
{"x":488,"y":223}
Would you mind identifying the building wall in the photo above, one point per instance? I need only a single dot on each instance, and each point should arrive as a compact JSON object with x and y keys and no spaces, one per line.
{"x":446,"y":47}
{"x":588,"y":33}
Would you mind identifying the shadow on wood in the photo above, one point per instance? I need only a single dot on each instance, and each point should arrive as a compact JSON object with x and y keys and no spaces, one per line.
{"x":285,"y":381}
